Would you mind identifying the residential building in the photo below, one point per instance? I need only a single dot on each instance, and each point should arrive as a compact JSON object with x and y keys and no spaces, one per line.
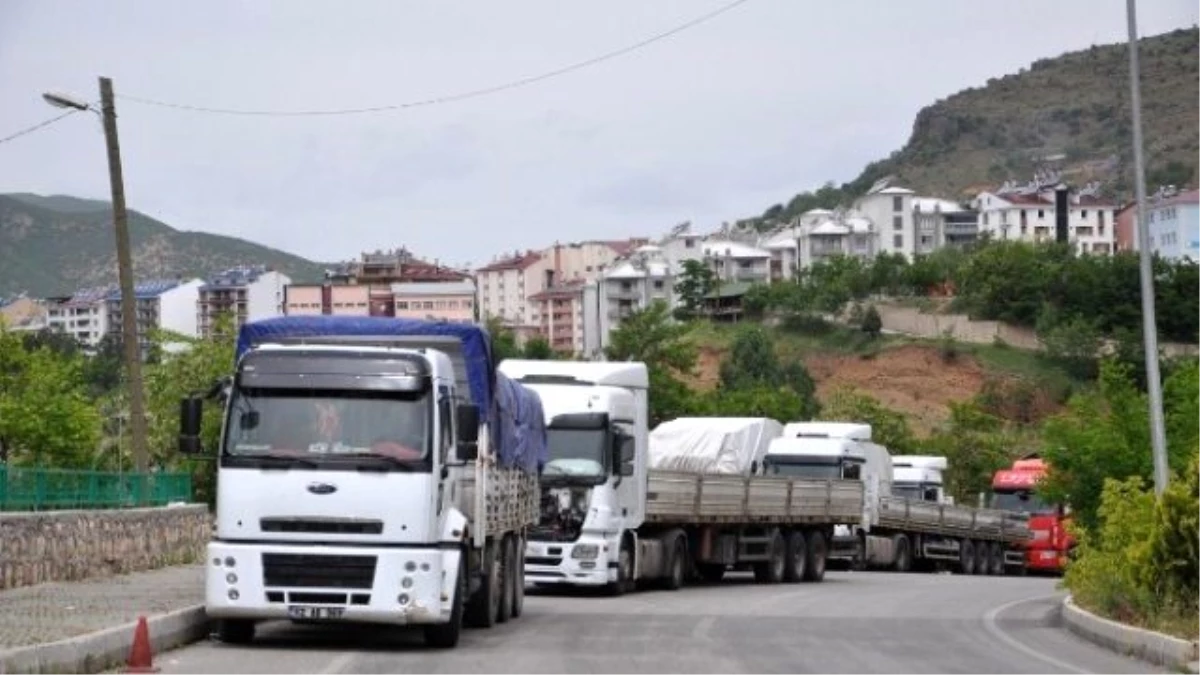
{"x":1027,"y":213}
{"x":784,"y":246}
{"x":681,"y":243}
{"x":1173,"y":222}
{"x":941,"y":222}
{"x":734,"y":261}
{"x":246,"y":293}
{"x":644,"y":277}
{"x":1125,"y":234}
{"x":83,"y":315}
{"x":166,"y":304}
{"x":23,"y":314}
{"x":558,"y":314}
{"x":383,"y":268}
{"x":436,"y":300}
{"x":328,"y":299}
{"x":504,"y":286}
{"x":890,"y":210}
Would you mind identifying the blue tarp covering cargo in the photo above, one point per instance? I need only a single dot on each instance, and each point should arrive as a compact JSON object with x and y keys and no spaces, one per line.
{"x":513,"y":413}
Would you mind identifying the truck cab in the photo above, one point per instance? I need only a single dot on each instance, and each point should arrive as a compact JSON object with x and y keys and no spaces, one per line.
{"x":919,"y":477}
{"x":1015,"y":489}
{"x":593,"y":486}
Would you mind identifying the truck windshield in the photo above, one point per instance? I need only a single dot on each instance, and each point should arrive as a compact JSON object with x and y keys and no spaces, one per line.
{"x":1022,"y":501}
{"x":774,"y":467}
{"x":577,"y":453}
{"x":314,"y":425}
{"x":919,"y":491}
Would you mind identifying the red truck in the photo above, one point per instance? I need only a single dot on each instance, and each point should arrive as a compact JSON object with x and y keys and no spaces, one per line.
{"x":1013,"y":489}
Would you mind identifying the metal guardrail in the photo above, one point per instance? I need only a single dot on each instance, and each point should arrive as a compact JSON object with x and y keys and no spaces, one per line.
{"x":39,"y":489}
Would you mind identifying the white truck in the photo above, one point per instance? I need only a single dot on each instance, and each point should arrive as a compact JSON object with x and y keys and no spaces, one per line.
{"x":907,"y":521}
{"x":369,"y":470}
{"x":610,"y":520}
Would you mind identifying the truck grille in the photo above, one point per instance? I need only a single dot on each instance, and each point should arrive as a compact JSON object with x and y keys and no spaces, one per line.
{"x":322,"y":525}
{"x":543,"y":560}
{"x":291,"y":570}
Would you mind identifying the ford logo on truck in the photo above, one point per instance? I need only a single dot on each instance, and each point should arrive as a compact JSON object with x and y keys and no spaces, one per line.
{"x":321,"y":488}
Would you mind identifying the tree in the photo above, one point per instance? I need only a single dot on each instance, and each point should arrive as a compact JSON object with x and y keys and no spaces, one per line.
{"x":46,"y":417}
{"x":888,"y":427}
{"x":539,"y":348}
{"x":975,"y":444}
{"x":753,"y":365}
{"x":504,"y":342}
{"x":872,"y":323}
{"x":1073,"y":342}
{"x":696,"y":281}
{"x":650,"y":335}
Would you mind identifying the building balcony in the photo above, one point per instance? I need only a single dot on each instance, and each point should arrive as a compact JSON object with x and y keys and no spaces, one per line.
{"x":623,"y":293}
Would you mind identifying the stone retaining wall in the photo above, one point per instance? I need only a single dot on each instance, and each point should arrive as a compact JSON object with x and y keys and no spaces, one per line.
{"x":72,"y":545}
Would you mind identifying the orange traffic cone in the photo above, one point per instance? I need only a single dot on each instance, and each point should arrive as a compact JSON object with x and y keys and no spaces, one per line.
{"x":140,"y":656}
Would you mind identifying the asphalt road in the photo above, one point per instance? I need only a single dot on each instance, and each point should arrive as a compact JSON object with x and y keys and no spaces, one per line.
{"x":852,"y":623}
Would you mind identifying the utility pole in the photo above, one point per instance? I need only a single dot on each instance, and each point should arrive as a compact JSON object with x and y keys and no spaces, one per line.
{"x":1158,"y":434}
{"x":129,"y":308}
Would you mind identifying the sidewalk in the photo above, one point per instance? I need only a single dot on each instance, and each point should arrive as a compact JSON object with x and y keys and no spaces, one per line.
{"x":42,"y":627}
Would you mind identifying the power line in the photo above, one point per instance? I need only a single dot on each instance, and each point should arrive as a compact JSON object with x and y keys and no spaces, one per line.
{"x":474,"y":93}
{"x":35,"y":127}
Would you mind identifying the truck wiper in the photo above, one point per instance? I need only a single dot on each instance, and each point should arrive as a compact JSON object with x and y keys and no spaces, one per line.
{"x":378,"y":462}
{"x":276,"y":461}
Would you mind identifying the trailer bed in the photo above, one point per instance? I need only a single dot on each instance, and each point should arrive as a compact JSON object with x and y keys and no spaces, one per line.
{"x":676,"y":497}
{"x":912,"y":515}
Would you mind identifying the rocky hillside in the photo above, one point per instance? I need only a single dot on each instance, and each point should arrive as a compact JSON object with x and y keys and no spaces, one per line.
{"x":1071,"y":112}
{"x":54,"y":245}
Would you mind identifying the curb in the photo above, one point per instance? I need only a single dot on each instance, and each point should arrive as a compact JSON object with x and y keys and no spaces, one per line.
{"x":108,"y":648}
{"x":1140,"y":643}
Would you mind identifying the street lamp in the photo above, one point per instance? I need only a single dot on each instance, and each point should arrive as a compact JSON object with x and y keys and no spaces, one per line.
{"x":1158,"y":435}
{"x":129,"y":331}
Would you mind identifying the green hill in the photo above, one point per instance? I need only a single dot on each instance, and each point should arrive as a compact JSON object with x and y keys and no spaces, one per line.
{"x":54,"y":245}
{"x":1071,"y":111}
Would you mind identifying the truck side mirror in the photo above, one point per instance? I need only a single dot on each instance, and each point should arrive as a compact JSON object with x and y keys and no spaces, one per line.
{"x":191,"y":414}
{"x":467,"y":421}
{"x":625,"y":450}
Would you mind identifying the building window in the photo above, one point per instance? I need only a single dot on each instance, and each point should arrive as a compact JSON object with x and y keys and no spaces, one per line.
{"x":1083,"y":214}
{"x":1041,"y":213}
{"x":898,"y":204}
{"x":898,"y":241}
{"x":689,"y":243}
{"x":1100,"y":215}
{"x":897,"y":222}
{"x":401,"y":305}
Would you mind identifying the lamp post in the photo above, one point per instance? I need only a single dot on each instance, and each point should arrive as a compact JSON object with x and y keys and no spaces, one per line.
{"x":129,"y":331}
{"x":1158,"y":435}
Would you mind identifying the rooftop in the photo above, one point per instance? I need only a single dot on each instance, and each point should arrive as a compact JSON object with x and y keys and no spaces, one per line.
{"x":235,"y":277}
{"x":518,"y":261}
{"x":733,"y":249}
{"x":147,"y":289}
{"x":433,"y":288}
{"x":563,"y":290}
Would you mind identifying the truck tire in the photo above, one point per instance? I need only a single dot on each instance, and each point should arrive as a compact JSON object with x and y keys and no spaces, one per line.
{"x":484,"y":604}
{"x":677,"y":566}
{"x":507,"y":579}
{"x":996,"y":559}
{"x":966,"y":557}
{"x":445,"y":635}
{"x":982,"y":563}
{"x":817,"y":551}
{"x":903,"y":561}
{"x":771,"y":571}
{"x":711,"y":573}
{"x":624,"y":571}
{"x":797,"y":557}
{"x":518,"y":588}
{"x":235,"y":631}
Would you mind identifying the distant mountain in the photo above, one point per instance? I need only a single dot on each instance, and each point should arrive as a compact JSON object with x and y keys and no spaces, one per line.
{"x":1070,"y":112}
{"x":56,"y":244}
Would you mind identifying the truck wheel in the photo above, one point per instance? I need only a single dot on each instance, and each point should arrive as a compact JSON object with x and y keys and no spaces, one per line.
{"x":678,"y":570}
{"x":445,"y":635}
{"x":903,"y":561}
{"x":981,"y":557}
{"x":797,"y":557}
{"x":484,"y":605}
{"x":624,"y":572}
{"x":817,"y":550}
{"x":518,"y":587}
{"x":966,"y":556}
{"x":507,"y":577}
{"x":772,"y":570}
{"x":235,"y":631}
{"x":996,"y":559}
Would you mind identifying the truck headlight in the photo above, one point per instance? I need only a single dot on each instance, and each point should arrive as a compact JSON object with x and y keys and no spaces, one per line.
{"x":585,"y":552}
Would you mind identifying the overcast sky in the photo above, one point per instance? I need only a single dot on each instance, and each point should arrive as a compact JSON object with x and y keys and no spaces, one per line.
{"x":715,"y":123}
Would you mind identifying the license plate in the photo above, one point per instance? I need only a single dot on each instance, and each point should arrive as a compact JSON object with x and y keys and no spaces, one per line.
{"x":303,"y":612}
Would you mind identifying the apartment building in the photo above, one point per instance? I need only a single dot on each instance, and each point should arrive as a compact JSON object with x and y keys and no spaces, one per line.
{"x":327,"y":299}
{"x":246,"y":293}
{"x":166,"y":304}
{"x":558,"y":315}
{"x":644,"y":277}
{"x":444,"y":301}
{"x":1028,"y":213}
{"x":505,"y":285}
{"x":890,"y":211}
{"x":83,"y":315}
{"x":941,"y":222}
{"x":734,"y":261}
{"x":383,"y":268}
{"x":1172,"y":221}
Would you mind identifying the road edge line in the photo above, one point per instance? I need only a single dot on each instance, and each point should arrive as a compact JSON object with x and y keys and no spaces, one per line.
{"x":1146,"y":645}
{"x":108,"y":648}
{"x":991,"y":625}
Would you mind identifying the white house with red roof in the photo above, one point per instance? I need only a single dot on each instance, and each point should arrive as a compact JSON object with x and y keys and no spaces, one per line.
{"x":1027,"y":213}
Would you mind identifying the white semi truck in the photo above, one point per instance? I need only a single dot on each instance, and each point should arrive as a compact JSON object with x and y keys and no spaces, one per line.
{"x":610,"y":520}
{"x":907,"y":521}
{"x":369,"y":470}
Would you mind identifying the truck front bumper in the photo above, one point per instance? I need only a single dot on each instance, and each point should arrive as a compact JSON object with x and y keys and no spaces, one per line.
{"x":551,"y":562}
{"x":373,"y":585}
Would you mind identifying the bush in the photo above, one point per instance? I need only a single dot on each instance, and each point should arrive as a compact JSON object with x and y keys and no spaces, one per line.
{"x":872,"y":323}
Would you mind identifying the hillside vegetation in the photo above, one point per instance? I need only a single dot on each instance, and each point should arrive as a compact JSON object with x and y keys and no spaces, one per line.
{"x":1075,"y":105}
{"x":55,"y":245}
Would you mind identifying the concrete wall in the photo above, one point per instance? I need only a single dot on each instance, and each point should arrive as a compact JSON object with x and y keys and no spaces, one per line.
{"x":73,"y":545}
